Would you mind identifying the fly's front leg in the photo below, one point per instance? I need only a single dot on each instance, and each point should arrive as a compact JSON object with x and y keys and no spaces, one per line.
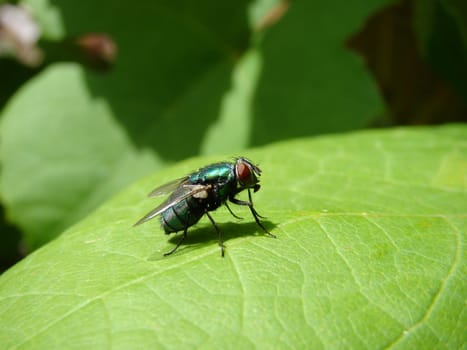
{"x":253,"y":212}
{"x":231,"y":212}
{"x":221,"y":242}
{"x":251,"y":205}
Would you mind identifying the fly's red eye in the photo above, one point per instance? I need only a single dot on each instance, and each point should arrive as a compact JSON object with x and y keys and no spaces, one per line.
{"x":246,"y":173}
{"x":243,"y":171}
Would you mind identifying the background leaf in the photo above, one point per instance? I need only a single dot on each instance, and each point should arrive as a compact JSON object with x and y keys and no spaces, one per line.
{"x":306,"y":68}
{"x":370,"y":254}
{"x":49,"y":179}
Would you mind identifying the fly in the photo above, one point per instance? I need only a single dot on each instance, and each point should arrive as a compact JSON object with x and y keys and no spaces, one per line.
{"x":203,"y":191}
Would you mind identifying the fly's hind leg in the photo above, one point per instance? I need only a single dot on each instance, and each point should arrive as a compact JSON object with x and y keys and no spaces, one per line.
{"x":221,"y":242}
{"x":179,"y":242}
{"x":253,"y":212}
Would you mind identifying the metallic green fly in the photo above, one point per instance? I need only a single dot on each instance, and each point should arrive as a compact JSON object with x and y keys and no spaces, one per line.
{"x":203,"y":191}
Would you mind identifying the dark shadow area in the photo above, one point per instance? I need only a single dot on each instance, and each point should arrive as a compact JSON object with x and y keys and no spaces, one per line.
{"x":418,"y":87}
{"x":10,"y":248}
{"x":206,"y":235}
{"x":13,"y":75}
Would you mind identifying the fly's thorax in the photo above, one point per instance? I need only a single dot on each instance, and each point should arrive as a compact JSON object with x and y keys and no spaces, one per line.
{"x":217,"y":195}
{"x":217,"y":173}
{"x":219,"y":179}
{"x":209,"y":196}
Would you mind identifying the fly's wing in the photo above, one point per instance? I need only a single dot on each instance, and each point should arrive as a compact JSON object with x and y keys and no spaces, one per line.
{"x":184,"y":192}
{"x":168,"y":187}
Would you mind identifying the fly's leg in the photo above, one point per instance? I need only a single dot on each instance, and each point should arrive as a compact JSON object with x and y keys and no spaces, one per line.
{"x":231,"y":212}
{"x":253,"y":212}
{"x":179,"y":242}
{"x":251,"y":203}
{"x":221,"y":242}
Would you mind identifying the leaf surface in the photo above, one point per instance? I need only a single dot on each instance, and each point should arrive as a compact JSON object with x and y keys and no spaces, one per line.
{"x":370,"y":253}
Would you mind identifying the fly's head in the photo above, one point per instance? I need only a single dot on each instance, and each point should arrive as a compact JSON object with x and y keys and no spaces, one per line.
{"x":247,"y":174}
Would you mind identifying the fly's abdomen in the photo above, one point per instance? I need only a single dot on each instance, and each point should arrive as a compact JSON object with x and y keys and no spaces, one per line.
{"x":182,"y":215}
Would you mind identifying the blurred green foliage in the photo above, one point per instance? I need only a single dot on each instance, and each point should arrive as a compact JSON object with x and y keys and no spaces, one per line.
{"x":205,"y":77}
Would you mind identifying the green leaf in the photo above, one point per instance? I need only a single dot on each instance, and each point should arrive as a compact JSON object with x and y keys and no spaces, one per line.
{"x":56,"y":166}
{"x":310,"y":82}
{"x":370,"y":253}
